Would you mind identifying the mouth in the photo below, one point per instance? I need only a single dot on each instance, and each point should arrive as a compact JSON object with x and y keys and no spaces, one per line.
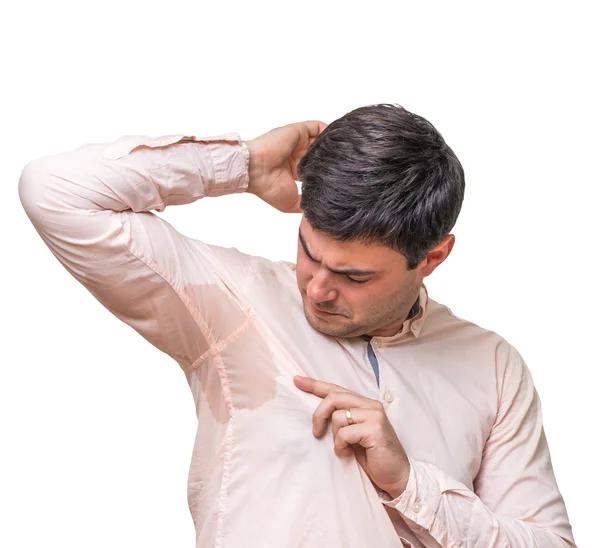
{"x":321,"y":313}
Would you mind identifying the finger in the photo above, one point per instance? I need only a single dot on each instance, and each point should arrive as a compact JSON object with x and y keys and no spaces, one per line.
{"x":346,"y":437}
{"x":339,"y":419}
{"x":313,"y":127}
{"x":318,"y":388}
{"x":333,"y":402}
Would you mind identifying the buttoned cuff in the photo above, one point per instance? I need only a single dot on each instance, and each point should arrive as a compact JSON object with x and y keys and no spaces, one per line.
{"x":231,"y":161}
{"x":421,"y":498}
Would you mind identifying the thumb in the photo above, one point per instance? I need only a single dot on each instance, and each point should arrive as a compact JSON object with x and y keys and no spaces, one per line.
{"x":296,"y":207}
{"x":288,"y":203}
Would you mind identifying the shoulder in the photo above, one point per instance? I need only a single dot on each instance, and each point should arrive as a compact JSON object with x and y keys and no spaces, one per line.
{"x":443,"y":322}
{"x":473,"y":339}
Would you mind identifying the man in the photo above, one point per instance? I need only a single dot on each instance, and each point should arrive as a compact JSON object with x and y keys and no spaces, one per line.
{"x":338,"y":404}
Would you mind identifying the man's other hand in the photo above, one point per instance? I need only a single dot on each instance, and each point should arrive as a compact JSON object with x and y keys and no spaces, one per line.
{"x":371,"y":436}
{"x":274,"y":159}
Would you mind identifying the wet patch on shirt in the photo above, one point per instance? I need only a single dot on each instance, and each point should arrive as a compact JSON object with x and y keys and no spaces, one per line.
{"x":239,"y":351}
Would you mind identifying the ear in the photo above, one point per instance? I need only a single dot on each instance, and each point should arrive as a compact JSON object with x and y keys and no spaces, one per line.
{"x":437,"y":255}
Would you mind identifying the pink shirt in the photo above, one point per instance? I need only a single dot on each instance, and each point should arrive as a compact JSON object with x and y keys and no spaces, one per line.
{"x":460,"y":397}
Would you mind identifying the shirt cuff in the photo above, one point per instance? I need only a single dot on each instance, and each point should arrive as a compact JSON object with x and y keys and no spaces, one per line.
{"x":421,"y":499}
{"x":231,"y":161}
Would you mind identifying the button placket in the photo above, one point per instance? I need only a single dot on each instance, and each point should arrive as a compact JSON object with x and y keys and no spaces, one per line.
{"x":388,"y":395}
{"x":372,"y":358}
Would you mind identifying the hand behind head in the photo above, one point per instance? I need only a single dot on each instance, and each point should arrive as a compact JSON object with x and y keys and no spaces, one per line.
{"x":274,"y":158}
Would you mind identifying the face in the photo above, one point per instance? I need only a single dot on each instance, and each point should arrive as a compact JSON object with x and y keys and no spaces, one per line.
{"x":350,"y":289}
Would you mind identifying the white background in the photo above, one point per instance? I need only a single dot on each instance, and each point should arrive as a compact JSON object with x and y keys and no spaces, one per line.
{"x":96,"y":425}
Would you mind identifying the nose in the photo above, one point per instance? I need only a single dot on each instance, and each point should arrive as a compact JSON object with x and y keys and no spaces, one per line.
{"x":319,"y":289}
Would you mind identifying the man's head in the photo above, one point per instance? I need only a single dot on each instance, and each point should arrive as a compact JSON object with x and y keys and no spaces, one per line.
{"x":381,"y":191}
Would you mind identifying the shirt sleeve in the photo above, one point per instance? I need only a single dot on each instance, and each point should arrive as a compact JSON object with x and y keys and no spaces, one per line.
{"x":91,"y":207}
{"x":516,"y":502}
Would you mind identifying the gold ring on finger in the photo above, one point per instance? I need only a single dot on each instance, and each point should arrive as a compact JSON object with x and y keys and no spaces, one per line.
{"x":349,"y":416}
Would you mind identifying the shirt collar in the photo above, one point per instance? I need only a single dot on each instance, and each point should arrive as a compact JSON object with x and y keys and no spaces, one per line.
{"x":416,"y":323}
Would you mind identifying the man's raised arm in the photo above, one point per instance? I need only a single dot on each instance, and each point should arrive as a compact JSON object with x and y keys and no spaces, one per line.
{"x":91,"y":206}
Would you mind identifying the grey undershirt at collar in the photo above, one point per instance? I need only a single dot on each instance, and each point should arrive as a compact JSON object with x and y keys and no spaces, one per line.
{"x":371,"y":353}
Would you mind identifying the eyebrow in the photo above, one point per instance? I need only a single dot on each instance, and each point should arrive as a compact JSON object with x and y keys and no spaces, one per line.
{"x":344,"y":271}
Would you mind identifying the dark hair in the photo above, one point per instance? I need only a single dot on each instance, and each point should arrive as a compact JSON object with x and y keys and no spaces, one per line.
{"x":381,"y":174}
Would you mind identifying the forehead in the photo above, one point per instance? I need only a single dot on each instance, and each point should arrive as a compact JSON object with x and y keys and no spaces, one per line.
{"x":351,"y":254}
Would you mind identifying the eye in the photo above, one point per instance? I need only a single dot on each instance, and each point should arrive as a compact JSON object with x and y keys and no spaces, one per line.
{"x":358,"y":282}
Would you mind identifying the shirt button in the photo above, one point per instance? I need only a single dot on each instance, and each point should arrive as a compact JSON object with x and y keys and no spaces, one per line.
{"x":375,"y":343}
{"x":416,"y":507}
{"x":389,"y":396}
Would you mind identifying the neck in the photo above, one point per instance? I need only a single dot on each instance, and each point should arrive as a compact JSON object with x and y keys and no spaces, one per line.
{"x":393,"y":328}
